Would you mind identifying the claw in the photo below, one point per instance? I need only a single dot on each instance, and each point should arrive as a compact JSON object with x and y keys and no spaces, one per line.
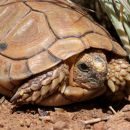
{"x":22,"y":94}
{"x":25,"y":96}
{"x":44,"y":90}
{"x":15,"y":97}
{"x":112,"y":86}
{"x":35,"y":96}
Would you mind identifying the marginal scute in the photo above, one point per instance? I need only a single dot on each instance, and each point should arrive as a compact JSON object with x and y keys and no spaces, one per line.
{"x":10,"y":15}
{"x":19,"y":70}
{"x":65,"y":48}
{"x":118,"y":49}
{"x":42,"y":62}
{"x":99,"y":29}
{"x":29,"y":37}
{"x":97,"y":41}
{"x":4,"y":73}
{"x":71,"y":23}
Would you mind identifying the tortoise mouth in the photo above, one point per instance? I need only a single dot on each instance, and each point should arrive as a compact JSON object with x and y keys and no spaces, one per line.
{"x":93,"y":84}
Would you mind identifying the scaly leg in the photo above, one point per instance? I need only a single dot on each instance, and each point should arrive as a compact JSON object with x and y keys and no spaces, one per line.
{"x":118,"y":75}
{"x":40,"y":87}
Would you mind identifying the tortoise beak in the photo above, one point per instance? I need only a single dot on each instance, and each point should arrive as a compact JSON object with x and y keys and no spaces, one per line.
{"x":93,"y":85}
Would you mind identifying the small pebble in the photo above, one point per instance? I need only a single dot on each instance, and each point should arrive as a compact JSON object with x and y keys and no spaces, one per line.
{"x":46,"y":119}
{"x":2,"y":100}
{"x":43,"y":112}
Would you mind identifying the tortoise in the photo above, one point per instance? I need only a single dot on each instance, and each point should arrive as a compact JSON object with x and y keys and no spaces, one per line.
{"x":52,"y":54}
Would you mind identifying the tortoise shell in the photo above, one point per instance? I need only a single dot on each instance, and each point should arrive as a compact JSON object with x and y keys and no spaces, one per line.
{"x":35,"y":36}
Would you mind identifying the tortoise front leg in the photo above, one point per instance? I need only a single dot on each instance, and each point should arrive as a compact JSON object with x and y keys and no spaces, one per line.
{"x":40,"y":87}
{"x":118,"y":75}
{"x":53,"y":89}
{"x":77,"y":94}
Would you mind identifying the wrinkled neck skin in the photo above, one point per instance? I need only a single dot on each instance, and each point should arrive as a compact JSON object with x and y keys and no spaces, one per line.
{"x":94,"y":76}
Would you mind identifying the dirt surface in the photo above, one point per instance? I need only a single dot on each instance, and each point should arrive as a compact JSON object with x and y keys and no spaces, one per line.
{"x":80,"y":116}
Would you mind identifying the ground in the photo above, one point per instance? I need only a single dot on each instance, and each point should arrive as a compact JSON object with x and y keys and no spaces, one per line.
{"x":90,"y":115}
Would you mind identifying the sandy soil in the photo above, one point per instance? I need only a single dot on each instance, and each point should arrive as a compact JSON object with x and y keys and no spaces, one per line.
{"x":80,"y":116}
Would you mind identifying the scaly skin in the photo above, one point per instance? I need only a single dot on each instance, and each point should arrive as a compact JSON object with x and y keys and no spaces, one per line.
{"x":42,"y":86}
{"x":118,"y":74}
{"x":66,"y":84}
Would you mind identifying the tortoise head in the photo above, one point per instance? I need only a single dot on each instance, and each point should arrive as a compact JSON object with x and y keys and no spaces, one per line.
{"x":90,"y":71}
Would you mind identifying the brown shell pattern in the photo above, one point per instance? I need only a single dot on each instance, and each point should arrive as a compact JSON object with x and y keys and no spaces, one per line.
{"x":35,"y":36}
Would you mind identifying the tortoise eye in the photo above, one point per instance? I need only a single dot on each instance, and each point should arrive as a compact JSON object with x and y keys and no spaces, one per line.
{"x":83,"y":67}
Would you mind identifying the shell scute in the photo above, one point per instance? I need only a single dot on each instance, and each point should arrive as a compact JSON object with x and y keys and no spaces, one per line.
{"x":97,"y":41}
{"x":65,"y":48}
{"x":118,"y":49}
{"x":3,"y":2}
{"x":42,"y":62}
{"x":19,"y":70}
{"x":64,"y":22}
{"x":10,"y":15}
{"x":29,"y":37}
